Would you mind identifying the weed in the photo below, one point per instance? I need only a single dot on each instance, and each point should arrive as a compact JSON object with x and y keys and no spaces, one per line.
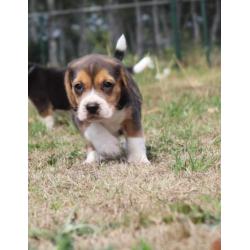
{"x":143,"y":245}
{"x":52,"y":160}
{"x":195,"y":213}
{"x":168,"y":219}
{"x":144,"y":220}
{"x":37,"y":129}
{"x":63,"y":238}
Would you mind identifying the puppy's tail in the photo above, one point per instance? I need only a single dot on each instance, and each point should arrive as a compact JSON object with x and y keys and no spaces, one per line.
{"x":145,"y":62}
{"x":120,"y":48}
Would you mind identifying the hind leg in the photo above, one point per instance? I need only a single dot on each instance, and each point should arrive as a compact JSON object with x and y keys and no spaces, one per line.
{"x":47,"y":118}
{"x":136,"y":149}
{"x":45,"y":110}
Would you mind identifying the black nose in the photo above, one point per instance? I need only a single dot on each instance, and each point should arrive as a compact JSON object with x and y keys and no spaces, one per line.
{"x":92,"y":107}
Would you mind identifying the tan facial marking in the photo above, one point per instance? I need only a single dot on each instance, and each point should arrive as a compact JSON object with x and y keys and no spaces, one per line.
{"x":83,"y":76}
{"x":103,"y":75}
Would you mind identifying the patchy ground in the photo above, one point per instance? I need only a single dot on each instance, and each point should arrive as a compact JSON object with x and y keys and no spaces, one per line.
{"x":172,"y":204}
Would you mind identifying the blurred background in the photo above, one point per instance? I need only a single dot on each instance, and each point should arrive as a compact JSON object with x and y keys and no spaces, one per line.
{"x":60,"y":30}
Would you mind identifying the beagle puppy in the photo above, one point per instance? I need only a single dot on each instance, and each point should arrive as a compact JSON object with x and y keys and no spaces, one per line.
{"x":107,"y":104}
{"x":46,"y":85}
{"x":46,"y":91}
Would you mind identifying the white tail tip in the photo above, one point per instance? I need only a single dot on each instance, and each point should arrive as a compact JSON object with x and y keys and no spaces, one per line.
{"x":145,"y":62}
{"x":121,"y":44}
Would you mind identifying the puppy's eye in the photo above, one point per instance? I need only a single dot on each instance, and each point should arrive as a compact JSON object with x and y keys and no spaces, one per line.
{"x":107,"y":86}
{"x":78,"y":88}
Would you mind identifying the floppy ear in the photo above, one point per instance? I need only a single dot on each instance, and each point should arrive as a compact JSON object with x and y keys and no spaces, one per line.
{"x":68,"y":88}
{"x":130,"y":86}
{"x":133,"y":94}
{"x":130,"y":94}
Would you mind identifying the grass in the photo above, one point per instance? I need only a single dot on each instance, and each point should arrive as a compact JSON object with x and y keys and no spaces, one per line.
{"x":172,"y":204}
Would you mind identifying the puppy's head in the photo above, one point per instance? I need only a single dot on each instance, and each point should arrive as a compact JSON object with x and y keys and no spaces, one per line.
{"x":96,"y":86}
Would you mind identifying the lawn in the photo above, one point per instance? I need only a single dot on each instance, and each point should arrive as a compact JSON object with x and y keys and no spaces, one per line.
{"x":172,"y":204}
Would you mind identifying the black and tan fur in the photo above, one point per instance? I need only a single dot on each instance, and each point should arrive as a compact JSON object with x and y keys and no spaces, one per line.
{"x":91,"y":73}
{"x":46,"y":89}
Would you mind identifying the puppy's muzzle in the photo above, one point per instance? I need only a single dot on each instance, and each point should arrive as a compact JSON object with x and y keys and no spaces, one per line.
{"x":92,"y":108}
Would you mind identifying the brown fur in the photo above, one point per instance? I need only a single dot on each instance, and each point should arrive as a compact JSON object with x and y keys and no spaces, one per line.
{"x":48,"y":111}
{"x":68,"y":88}
{"x":92,"y":71}
{"x":216,"y":244}
{"x":130,"y":129}
{"x":84,"y":78}
{"x":89,"y":147}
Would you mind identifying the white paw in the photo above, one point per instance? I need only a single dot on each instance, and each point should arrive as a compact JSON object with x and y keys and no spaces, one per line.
{"x":92,"y":158}
{"x":137,"y":150}
{"x":48,"y":121}
{"x":138,"y":159}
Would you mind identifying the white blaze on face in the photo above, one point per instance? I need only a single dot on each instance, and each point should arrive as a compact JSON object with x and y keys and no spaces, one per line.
{"x":105,"y":109}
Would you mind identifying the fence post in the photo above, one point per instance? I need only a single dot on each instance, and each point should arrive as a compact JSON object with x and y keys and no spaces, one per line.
{"x":175,"y":26}
{"x":205,"y":31}
{"x":42,"y":38}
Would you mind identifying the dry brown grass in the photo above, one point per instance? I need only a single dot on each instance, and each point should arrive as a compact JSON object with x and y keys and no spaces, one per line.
{"x":134,"y":207}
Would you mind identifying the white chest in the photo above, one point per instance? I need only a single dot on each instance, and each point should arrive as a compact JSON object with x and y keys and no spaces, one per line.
{"x":113,"y":124}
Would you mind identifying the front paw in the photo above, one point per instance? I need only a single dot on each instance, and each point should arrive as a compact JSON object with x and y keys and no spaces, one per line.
{"x":92,"y":158}
{"x":138,"y":159}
